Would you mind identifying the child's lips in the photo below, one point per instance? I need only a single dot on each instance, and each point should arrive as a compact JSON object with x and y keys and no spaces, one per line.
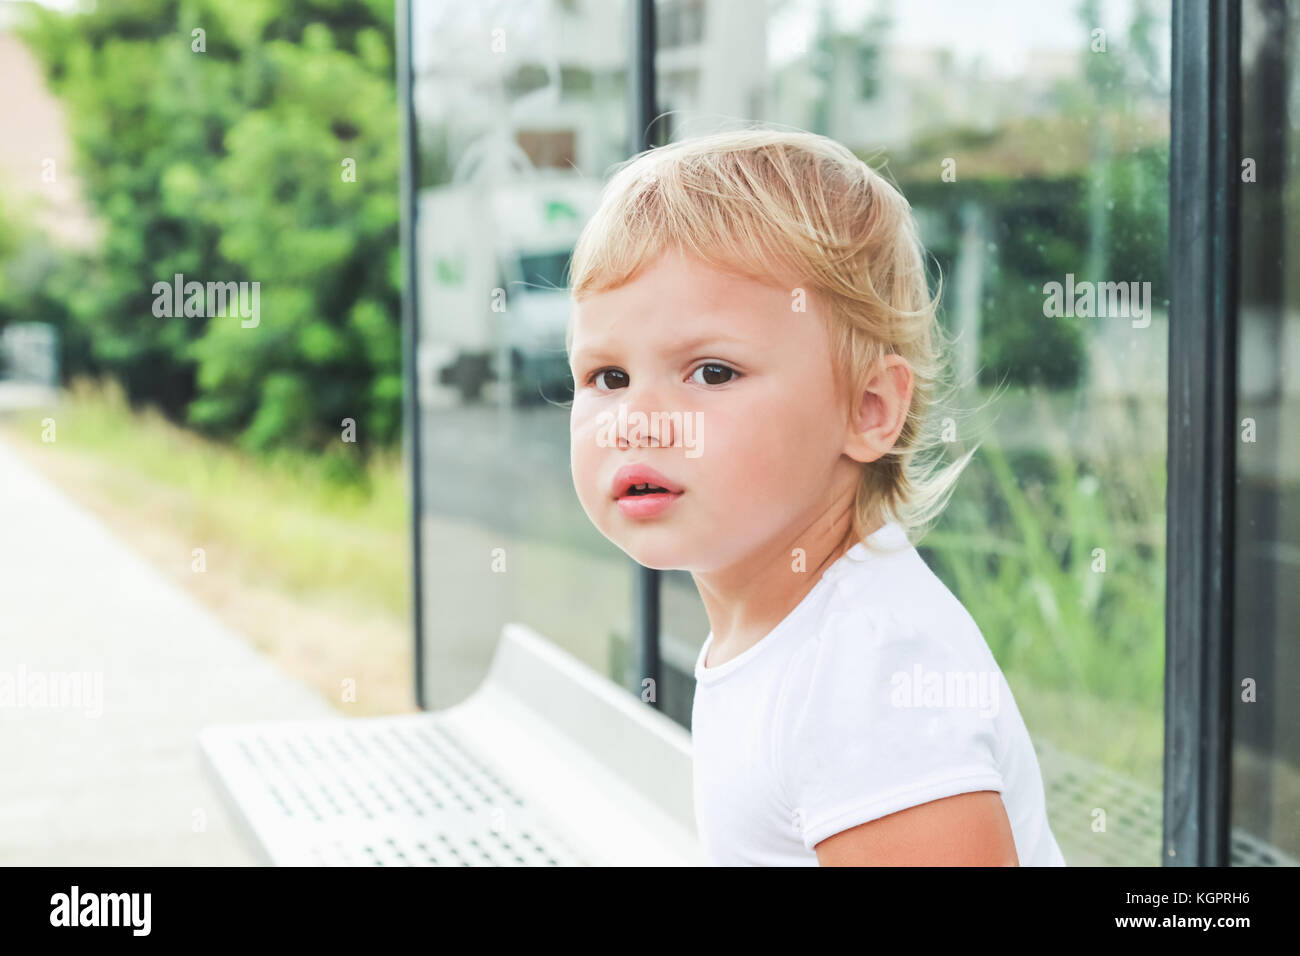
{"x":644,"y":505}
{"x":647,"y":506}
{"x":629,"y":476}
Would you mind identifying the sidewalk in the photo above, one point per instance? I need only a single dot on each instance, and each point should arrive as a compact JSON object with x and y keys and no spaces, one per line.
{"x":125,"y":785}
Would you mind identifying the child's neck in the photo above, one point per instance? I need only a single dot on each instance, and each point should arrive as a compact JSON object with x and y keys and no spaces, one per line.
{"x":745,"y":602}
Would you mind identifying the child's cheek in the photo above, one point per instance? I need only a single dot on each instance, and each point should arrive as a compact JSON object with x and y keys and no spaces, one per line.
{"x":769,"y":444}
{"x":584,"y":455}
{"x":729,"y":448}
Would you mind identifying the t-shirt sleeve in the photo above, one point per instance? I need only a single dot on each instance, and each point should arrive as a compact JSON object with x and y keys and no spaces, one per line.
{"x":876,"y":716}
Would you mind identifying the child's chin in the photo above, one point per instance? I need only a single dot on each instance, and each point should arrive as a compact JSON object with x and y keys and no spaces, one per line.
{"x":656,"y":558}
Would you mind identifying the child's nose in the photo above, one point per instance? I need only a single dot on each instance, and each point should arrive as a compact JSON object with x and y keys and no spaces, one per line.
{"x":650,"y":422}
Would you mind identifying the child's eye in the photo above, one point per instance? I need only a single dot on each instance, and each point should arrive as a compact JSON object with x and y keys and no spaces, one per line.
{"x":715,"y":374}
{"x":713,"y":370}
{"x":596,"y":377}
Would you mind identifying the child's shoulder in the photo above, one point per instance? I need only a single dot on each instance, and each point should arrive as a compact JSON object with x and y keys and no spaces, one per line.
{"x":890,"y":610}
{"x":886,"y":702}
{"x":897,"y":586}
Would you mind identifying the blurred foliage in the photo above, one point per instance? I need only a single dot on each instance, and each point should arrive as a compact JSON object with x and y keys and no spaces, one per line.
{"x":35,"y":283}
{"x":1083,"y":190}
{"x":227,"y":165}
{"x":1055,"y":544}
{"x":1036,"y":229}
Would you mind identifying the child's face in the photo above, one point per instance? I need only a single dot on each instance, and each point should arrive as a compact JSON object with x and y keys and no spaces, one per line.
{"x":754,"y":448}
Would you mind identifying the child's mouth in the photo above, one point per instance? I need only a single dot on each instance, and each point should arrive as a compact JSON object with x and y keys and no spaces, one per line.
{"x":647,"y":490}
{"x":642,"y":492}
{"x":646,"y":501}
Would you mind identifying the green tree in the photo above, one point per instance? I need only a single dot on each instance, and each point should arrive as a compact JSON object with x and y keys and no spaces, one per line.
{"x":262,"y":149}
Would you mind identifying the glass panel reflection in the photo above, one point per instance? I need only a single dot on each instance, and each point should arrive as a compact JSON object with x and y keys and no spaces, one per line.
{"x":520,"y":109}
{"x":1265,"y":754}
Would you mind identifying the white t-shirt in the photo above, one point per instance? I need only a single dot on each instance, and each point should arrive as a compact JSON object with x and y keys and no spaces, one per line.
{"x":876,"y":693}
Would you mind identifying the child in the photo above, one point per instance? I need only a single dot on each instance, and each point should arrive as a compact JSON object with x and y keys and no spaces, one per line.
{"x":754,"y":353}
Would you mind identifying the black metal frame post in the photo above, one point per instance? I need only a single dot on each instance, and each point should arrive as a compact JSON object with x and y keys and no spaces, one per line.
{"x":644,"y":110}
{"x":646,"y":591}
{"x":409,"y":186}
{"x":1204,"y":183}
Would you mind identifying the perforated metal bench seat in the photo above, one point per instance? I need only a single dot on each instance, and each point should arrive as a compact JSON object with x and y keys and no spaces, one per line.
{"x":548,"y":763}
{"x":551,"y":764}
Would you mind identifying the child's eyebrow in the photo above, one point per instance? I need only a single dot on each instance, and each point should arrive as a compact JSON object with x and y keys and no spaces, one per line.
{"x":599,"y":352}
{"x":701,"y":340}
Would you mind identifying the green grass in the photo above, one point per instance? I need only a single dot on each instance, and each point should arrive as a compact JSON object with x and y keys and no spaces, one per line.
{"x":1022,"y":544}
{"x":309,"y":523}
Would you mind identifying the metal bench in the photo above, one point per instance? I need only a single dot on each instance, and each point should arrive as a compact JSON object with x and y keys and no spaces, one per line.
{"x":548,"y":763}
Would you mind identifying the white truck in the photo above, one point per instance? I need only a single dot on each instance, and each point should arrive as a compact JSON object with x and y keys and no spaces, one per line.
{"x":493,"y":294}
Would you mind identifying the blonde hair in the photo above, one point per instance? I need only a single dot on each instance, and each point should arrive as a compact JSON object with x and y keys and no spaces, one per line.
{"x":764,"y":204}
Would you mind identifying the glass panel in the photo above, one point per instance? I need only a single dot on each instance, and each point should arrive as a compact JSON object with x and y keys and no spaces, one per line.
{"x":520,"y":107}
{"x":1265,"y":752}
{"x":1032,"y":140}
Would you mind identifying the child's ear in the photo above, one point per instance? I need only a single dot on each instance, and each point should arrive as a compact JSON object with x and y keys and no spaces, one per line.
{"x":881,"y":409}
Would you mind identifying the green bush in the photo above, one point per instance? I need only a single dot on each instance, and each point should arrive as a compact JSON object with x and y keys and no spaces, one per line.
{"x":226,"y":164}
{"x":1060,"y":556}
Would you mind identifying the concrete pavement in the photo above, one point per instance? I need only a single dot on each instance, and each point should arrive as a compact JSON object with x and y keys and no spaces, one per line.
{"x":107,"y":674}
